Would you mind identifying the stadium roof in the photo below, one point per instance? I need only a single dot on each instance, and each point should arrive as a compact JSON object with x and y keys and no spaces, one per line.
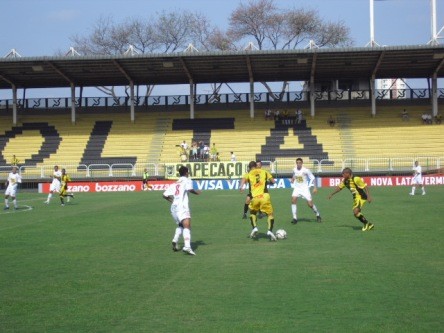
{"x":212,"y":67}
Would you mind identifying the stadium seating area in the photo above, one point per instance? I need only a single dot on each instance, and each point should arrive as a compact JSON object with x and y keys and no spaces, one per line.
{"x":155,"y":137}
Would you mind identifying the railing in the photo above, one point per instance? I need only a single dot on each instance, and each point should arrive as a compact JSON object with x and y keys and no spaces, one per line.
{"x":208,"y":99}
{"x":280,"y":167}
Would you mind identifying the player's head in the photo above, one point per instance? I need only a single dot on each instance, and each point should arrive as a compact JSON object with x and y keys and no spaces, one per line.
{"x":347,"y":173}
{"x":63,"y":171}
{"x":252,"y":165}
{"x":14,"y":169}
{"x":416,"y":163}
{"x":259,"y":164}
{"x":299,"y":163}
{"x":183,"y":171}
{"x":56,"y":167}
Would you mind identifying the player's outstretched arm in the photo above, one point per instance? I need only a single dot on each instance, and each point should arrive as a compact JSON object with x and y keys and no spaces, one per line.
{"x":334,"y":192}
{"x":168,"y":198}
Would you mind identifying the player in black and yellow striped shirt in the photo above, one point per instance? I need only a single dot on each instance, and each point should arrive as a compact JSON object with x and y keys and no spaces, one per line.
{"x":65,"y":179}
{"x":360,"y":192}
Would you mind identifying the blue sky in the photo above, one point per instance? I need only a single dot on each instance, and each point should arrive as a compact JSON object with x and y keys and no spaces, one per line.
{"x":44,"y":27}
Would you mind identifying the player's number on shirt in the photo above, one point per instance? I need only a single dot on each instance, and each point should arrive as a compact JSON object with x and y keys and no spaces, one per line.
{"x":177,"y":190}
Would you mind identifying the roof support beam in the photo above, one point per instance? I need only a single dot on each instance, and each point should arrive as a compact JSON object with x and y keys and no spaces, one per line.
{"x":312,"y":86}
{"x":14,"y":104}
{"x":250,"y":76}
{"x":192,"y":87}
{"x":250,"y":68}
{"x":378,"y":63}
{"x":131,"y":87}
{"x":68,"y":79}
{"x":4,"y":78}
{"x":123,"y":71}
{"x":73,"y":103}
{"x":441,"y":63}
{"x":187,"y":71}
{"x":373,"y":95}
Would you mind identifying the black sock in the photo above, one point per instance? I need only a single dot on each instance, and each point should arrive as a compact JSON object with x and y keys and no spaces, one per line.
{"x":361,"y":218}
{"x":245,"y":208}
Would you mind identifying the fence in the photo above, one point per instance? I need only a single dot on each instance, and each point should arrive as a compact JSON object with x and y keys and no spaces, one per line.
{"x":281,"y":167}
{"x":222,"y":99}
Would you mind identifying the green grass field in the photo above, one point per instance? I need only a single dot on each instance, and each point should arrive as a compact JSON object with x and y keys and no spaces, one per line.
{"x":103,"y":263}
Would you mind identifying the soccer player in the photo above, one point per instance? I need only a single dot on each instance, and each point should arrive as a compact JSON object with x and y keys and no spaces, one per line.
{"x":177,"y":194}
{"x":11,"y":187}
{"x":360,"y":192}
{"x":417,"y":178}
{"x":145,"y":177}
{"x":65,"y":179}
{"x":302,"y":180}
{"x":258,"y":178}
{"x":55,"y":184}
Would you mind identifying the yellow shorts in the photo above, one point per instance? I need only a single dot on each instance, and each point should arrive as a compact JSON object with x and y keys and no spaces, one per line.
{"x":358,"y":202}
{"x":261,"y":203}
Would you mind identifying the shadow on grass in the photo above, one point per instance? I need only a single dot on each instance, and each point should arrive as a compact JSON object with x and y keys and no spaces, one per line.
{"x":195,"y":245}
{"x":354,"y":227}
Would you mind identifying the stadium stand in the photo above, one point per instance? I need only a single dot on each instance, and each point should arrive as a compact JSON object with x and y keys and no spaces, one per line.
{"x":154,"y":138}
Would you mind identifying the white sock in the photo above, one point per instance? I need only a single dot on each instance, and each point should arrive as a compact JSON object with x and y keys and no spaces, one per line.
{"x":294,"y":210}
{"x":14,"y":202}
{"x":187,"y":237}
{"x":49,"y":197}
{"x":413,"y":189}
{"x":423,"y":190}
{"x":177,"y":234}
{"x":6,"y":203}
{"x":315,"y":210}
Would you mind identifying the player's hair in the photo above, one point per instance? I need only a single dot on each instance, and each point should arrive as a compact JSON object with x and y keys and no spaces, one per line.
{"x":252,"y":165}
{"x":347,"y":170}
{"x":183,"y":170}
{"x":299,"y":159}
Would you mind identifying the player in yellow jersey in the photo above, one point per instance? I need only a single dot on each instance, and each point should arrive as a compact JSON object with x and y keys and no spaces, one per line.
{"x":360,"y":192}
{"x":65,"y":179}
{"x":258,"y":179}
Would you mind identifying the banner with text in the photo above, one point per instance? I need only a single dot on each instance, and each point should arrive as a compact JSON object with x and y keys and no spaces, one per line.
{"x":208,"y":170}
{"x":122,"y":186}
{"x":388,"y":180}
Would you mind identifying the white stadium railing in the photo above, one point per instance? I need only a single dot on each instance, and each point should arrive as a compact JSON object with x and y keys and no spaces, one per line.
{"x":281,"y":166}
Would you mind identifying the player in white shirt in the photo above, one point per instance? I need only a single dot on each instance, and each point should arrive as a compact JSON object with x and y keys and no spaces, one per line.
{"x":177,"y":194}
{"x":301,"y":181}
{"x":417,"y":178}
{"x":11,"y":187}
{"x":55,"y":184}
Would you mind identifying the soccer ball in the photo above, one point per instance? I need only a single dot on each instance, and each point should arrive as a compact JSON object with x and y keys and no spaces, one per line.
{"x":281,"y":234}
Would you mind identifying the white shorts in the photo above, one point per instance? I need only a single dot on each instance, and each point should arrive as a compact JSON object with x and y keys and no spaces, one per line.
{"x":180,"y":213}
{"x":417,"y":180}
{"x":55,"y":187}
{"x":302,"y":192}
{"x":11,"y":190}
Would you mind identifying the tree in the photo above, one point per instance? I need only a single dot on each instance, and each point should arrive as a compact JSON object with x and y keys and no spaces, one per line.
{"x":276,"y":28}
{"x":252,"y":20}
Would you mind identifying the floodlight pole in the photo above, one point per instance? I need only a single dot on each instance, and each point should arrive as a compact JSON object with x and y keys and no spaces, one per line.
{"x":436,"y":35}
{"x":372,"y":42}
